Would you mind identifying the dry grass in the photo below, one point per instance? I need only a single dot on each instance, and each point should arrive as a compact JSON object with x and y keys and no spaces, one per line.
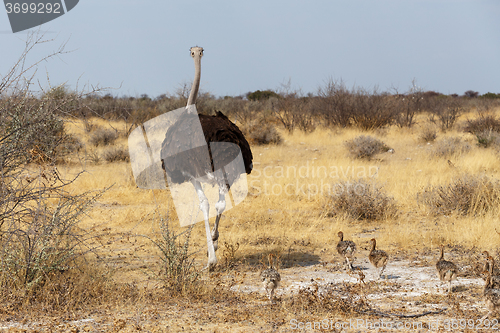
{"x":283,"y":214}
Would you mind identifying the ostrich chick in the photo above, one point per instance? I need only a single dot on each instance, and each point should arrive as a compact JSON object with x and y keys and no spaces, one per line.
{"x":270,"y":278}
{"x":447,"y":270}
{"x":346,"y":248}
{"x":495,"y":278}
{"x":491,"y":293}
{"x":378,"y":258}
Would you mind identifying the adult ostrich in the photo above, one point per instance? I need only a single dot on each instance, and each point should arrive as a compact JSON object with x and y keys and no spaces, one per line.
{"x":185,"y":158}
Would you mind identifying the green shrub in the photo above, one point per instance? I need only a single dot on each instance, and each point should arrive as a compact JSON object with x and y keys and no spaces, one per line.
{"x":490,"y":95}
{"x":261,"y":95}
{"x":488,"y":138}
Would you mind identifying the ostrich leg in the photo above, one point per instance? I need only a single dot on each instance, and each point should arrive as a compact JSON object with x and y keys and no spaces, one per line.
{"x":204,"y":207}
{"x":220,"y":205}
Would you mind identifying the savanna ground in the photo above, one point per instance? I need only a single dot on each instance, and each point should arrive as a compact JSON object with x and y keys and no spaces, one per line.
{"x":298,"y":226}
{"x":82,"y":248}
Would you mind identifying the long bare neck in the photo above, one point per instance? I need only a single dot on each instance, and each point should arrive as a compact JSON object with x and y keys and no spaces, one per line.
{"x":442,"y":254}
{"x":196,"y":81}
{"x":373,"y":245}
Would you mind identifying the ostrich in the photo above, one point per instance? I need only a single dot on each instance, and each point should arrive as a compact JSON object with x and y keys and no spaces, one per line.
{"x":378,"y":258}
{"x":447,"y":270}
{"x":346,"y":248}
{"x":196,"y":164}
{"x":491,"y":292}
{"x":270,"y":278}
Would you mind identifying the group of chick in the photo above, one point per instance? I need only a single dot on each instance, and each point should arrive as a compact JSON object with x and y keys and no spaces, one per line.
{"x":446,"y":270}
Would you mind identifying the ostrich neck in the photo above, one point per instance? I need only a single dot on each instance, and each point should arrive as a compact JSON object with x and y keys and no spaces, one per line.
{"x":373,"y":246}
{"x":196,"y":81}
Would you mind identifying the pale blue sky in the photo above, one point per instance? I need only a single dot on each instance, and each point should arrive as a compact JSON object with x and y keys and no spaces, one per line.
{"x":143,"y":46}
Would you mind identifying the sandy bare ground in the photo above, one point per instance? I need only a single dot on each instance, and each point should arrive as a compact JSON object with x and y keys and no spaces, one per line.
{"x":409,"y":287}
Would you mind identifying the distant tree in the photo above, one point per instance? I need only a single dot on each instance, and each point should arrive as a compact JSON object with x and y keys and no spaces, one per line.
{"x":430,"y":94}
{"x":471,"y":94}
{"x":490,"y":95}
{"x":260,"y":95}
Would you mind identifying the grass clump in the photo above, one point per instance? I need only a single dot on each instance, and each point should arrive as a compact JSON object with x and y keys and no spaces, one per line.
{"x":466,"y":195}
{"x":116,"y":154}
{"x":362,"y":200}
{"x":365,"y":147}
{"x":103,"y":137}
{"x":261,"y":133}
{"x":428,"y":134}
{"x":450,"y":146}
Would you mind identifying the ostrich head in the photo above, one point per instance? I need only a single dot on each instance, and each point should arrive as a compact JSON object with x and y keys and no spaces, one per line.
{"x":341,"y":235}
{"x":196,"y":51}
{"x":196,"y":54}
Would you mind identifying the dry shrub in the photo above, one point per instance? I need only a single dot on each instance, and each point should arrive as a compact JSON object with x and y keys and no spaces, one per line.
{"x":42,"y":238}
{"x":115,"y":154}
{"x":229,"y":254}
{"x":428,"y":134}
{"x":93,"y":157}
{"x":365,"y":147}
{"x":335,"y":104}
{"x":261,"y":133}
{"x":345,"y":299}
{"x":179,"y":274}
{"x":372,"y":110}
{"x":482,"y":124}
{"x":450,"y":146}
{"x":467,"y":195}
{"x":488,"y":138}
{"x":70,"y":144}
{"x":445,"y":110}
{"x":103,"y":137}
{"x":362,"y":200}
